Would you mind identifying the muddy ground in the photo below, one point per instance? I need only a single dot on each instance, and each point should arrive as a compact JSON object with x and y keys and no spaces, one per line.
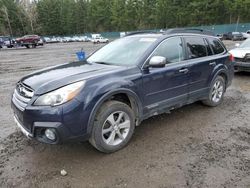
{"x":194,"y":146}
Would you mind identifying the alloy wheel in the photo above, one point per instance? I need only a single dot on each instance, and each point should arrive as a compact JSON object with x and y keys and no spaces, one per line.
{"x":217,"y":92}
{"x":116,"y":128}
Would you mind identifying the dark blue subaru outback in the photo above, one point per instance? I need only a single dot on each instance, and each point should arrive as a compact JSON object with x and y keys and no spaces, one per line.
{"x":103,"y":98}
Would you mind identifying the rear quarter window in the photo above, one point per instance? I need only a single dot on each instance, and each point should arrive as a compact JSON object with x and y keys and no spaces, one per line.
{"x":216,"y":45}
{"x":196,"y":47}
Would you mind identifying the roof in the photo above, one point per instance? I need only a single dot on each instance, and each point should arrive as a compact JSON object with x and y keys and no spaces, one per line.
{"x":172,"y":32}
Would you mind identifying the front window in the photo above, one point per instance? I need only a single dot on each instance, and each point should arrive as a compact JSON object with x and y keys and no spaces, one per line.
{"x":171,"y":49}
{"x":125,"y":51}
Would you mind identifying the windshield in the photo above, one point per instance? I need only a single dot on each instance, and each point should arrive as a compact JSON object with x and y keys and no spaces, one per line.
{"x":245,"y":44}
{"x":125,"y":51}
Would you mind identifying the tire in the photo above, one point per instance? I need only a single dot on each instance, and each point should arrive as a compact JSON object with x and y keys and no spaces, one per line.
{"x":107,"y":137}
{"x":28,"y":46}
{"x":216,"y":93}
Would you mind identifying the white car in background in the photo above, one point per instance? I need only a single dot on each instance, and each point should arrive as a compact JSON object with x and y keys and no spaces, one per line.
{"x":76,"y":39}
{"x":47,"y":39}
{"x":83,"y":39}
{"x":67,"y":39}
{"x":242,"y":56}
{"x":100,"y":40}
{"x":245,"y":35}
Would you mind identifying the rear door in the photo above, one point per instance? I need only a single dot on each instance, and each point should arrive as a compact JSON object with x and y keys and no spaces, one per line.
{"x":201,"y":64}
{"x":166,"y":86}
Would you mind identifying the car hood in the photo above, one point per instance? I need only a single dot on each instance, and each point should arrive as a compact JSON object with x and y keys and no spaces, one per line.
{"x":55,"y":77}
{"x":240,"y":52}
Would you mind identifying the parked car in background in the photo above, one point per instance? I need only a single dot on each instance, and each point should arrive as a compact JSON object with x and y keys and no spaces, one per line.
{"x":40,"y":42}
{"x":220,"y":36}
{"x":242,"y":56}
{"x":46,"y":39}
{"x":84,"y":39}
{"x":54,"y":39}
{"x":29,"y":41}
{"x":95,"y":35}
{"x":6,"y":41}
{"x":67,"y":39}
{"x":100,"y":40}
{"x":1,"y":42}
{"x":245,"y":36}
{"x":75,"y":39}
{"x":233,"y":36}
{"x":103,"y":98}
{"x":248,"y":32}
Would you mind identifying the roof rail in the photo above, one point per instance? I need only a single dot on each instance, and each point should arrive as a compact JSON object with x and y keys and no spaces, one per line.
{"x":140,"y":32}
{"x":189,"y":30}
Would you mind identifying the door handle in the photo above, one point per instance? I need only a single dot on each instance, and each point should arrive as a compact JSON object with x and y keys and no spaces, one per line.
{"x":185,"y":70}
{"x":212,"y":64}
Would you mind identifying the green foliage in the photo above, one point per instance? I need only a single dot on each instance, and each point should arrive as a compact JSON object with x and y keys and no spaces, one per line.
{"x":61,"y":17}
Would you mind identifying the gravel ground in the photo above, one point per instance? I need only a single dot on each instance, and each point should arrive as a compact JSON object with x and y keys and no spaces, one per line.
{"x":194,"y":146}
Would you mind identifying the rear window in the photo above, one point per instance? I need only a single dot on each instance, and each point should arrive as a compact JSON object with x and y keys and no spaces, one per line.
{"x":216,"y":46}
{"x":196,"y":47}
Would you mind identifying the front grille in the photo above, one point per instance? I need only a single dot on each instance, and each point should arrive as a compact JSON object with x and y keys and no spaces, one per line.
{"x":22,"y":95}
{"x":246,"y":58}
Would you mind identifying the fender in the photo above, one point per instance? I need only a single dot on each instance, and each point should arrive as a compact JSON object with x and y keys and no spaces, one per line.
{"x":220,"y":69}
{"x":132,"y":95}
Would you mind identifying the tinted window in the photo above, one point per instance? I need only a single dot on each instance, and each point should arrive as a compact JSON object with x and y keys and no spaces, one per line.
{"x":171,"y":49}
{"x":216,"y":45}
{"x":195,"y":47}
{"x":209,"y":51}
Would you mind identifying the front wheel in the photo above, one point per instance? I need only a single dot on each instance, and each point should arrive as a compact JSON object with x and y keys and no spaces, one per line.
{"x":113,"y":127}
{"x":216,"y":93}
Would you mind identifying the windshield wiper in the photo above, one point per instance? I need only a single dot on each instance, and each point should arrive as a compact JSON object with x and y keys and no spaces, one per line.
{"x":103,"y":63}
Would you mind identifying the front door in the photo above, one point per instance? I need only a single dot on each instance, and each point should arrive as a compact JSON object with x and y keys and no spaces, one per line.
{"x":166,"y":86}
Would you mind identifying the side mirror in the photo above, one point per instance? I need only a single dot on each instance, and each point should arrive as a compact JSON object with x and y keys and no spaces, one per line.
{"x":237,"y":45}
{"x":157,"y":61}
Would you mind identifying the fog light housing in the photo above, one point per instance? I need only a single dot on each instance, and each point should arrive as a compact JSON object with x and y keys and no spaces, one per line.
{"x":50,"y":134}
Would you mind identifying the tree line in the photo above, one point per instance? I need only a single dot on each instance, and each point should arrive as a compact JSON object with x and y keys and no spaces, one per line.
{"x":64,"y":17}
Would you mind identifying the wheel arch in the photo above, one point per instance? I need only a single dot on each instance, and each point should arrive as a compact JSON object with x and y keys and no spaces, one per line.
{"x":220,"y":72}
{"x":134,"y":103}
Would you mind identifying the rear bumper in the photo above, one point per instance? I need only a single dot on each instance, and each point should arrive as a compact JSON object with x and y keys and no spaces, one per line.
{"x":242,"y":66}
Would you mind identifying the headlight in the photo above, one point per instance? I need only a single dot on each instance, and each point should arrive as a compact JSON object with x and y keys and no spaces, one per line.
{"x":60,"y":96}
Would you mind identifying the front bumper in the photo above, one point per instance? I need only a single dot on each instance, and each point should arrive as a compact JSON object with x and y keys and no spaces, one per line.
{"x":65,"y":120}
{"x":242,"y":66}
{"x":24,"y":131}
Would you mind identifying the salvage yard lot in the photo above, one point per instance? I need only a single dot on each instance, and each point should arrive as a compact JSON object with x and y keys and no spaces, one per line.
{"x":194,"y":146}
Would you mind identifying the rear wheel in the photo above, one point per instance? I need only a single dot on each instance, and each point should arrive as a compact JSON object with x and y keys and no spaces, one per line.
{"x":113,"y":127}
{"x":216,"y":93}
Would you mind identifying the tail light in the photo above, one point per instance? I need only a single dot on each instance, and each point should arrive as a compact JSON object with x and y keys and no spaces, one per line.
{"x":231,"y":58}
